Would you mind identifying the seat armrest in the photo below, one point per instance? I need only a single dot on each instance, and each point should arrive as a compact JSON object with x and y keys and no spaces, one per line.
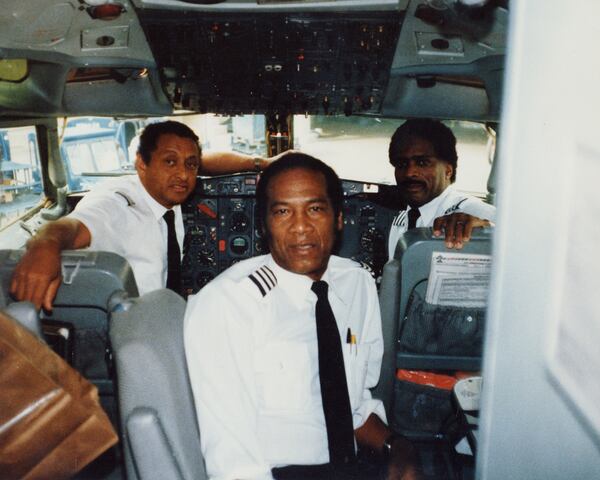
{"x":26,"y":314}
{"x":152,"y":454}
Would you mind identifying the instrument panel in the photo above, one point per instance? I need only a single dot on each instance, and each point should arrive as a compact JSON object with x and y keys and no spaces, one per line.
{"x":289,"y":62}
{"x":222,"y":229}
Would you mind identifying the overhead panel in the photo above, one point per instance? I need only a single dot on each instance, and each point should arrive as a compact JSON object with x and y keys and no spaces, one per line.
{"x":288,"y":63}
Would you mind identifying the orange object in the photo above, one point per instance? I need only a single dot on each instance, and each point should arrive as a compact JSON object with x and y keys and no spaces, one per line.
{"x":445,"y":382}
{"x":437,"y":380}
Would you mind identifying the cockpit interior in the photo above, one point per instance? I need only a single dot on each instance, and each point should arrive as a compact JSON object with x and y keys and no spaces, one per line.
{"x":270,"y":70}
{"x":80,"y":79}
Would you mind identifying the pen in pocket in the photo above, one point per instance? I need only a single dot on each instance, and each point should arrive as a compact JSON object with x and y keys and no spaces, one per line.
{"x":349,"y":340}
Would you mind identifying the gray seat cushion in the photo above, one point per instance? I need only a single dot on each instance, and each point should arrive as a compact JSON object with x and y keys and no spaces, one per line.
{"x":158,"y":420}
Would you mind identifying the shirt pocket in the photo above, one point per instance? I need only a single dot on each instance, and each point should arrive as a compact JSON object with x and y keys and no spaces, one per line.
{"x":358,"y":362}
{"x":283,"y":371}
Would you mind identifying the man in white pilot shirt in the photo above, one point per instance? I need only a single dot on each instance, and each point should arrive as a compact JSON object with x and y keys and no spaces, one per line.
{"x":423,"y":154}
{"x":254,"y":346}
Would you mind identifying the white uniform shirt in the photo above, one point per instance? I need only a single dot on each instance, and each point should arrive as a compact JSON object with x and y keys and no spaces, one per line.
{"x":449,"y":201}
{"x":123,"y":218}
{"x":253,"y":364}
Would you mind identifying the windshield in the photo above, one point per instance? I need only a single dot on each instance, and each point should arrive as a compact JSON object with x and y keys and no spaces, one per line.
{"x":20,"y":175}
{"x":95,"y":156}
{"x":356,"y":147}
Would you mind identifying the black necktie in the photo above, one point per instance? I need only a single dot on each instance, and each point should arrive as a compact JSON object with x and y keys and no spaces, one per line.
{"x":334,"y":388}
{"x":413,"y":215}
{"x":173,"y":254}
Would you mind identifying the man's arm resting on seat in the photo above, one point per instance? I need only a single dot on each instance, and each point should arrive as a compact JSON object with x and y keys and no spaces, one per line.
{"x":37,"y":276}
{"x":458,"y":228}
{"x":402,"y":462}
{"x":224,"y":163}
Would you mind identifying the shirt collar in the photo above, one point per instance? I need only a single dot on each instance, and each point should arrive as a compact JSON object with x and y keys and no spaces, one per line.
{"x":334,"y":286}
{"x":429,"y":210}
{"x":298,"y":287}
{"x":156,"y":208}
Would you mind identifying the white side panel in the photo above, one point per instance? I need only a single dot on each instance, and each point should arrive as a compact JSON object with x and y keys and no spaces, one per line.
{"x":541,"y":370}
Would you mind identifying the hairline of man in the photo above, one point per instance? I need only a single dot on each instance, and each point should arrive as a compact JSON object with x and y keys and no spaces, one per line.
{"x":152,"y":133}
{"x":438,"y":135}
{"x":298,"y":161}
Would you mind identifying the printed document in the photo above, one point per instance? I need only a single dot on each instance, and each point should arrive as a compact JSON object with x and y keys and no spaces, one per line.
{"x":459,"y":279}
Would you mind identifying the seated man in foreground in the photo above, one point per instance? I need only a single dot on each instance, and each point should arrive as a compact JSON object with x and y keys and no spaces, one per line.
{"x":282,"y":349}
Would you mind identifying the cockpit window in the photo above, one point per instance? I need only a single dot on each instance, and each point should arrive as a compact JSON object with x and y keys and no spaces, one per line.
{"x":96,"y":156}
{"x":20,"y":174}
{"x":357,"y":148}
{"x":93,"y":148}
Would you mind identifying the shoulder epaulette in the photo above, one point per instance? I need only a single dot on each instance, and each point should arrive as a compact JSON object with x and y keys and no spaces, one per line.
{"x":264,"y":279}
{"x":130,"y":202}
{"x":399,"y":218}
{"x":456,"y":206}
{"x":368,"y":268}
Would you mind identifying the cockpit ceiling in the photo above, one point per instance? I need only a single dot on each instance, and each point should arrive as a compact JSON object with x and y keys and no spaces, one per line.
{"x":393,"y":58}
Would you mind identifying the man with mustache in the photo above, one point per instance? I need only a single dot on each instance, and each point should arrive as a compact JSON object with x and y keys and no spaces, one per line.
{"x":130,"y":216}
{"x":282,"y":349}
{"x":423,"y":153}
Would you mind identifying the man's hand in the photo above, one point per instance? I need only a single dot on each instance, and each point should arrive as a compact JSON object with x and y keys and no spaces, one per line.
{"x":458,"y":227}
{"x":402,"y":464}
{"x":37,"y":276}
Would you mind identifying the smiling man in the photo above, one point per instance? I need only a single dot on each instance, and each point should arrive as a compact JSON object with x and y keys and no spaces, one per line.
{"x":282,"y":349}
{"x":136,"y":216}
{"x":423,"y":154}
